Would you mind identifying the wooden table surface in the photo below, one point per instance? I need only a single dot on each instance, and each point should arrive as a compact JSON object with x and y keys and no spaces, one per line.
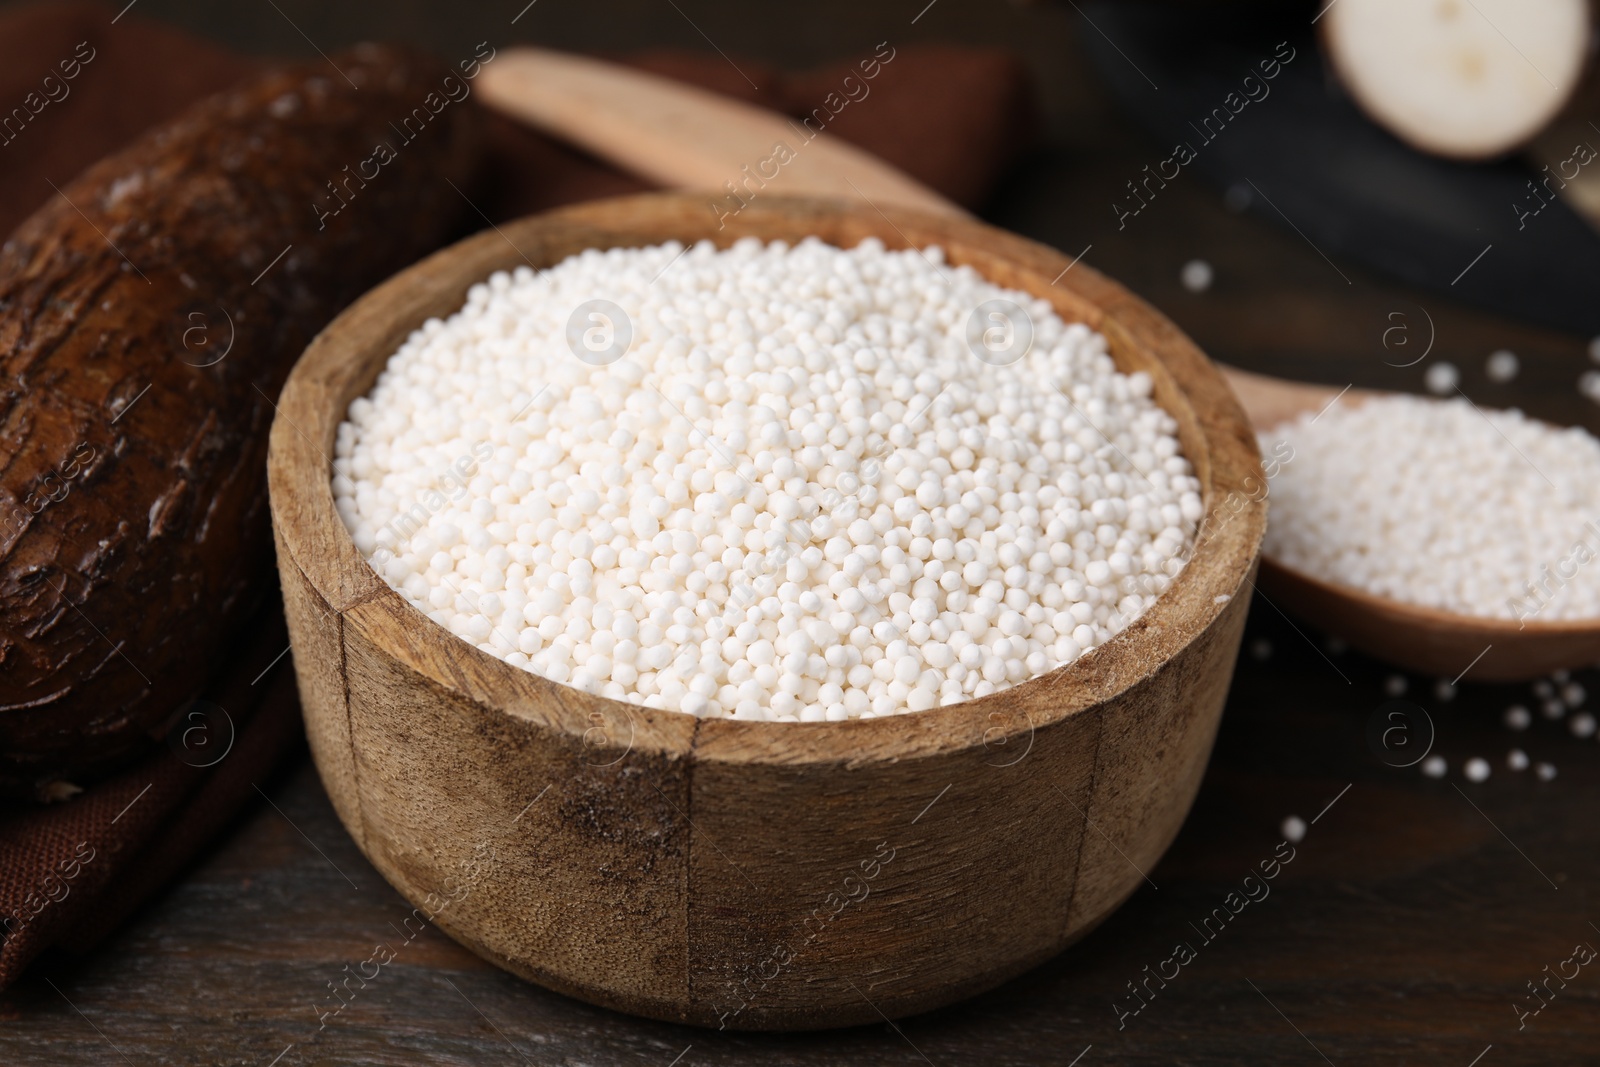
{"x":1406,"y":929}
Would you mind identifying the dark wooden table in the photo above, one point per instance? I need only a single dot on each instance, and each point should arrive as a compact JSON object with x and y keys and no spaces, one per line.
{"x":1406,"y":930}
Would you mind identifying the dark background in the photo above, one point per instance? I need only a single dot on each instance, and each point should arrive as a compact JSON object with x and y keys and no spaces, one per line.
{"x":1416,"y":909}
{"x":1276,"y":304}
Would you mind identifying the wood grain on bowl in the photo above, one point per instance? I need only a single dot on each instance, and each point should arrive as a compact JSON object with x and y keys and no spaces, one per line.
{"x":755,"y":875}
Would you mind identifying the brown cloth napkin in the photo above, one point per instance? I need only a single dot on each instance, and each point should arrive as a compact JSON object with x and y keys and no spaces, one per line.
{"x":70,"y":872}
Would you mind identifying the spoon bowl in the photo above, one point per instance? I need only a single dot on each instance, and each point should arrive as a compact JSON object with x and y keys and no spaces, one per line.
{"x":1421,"y":639}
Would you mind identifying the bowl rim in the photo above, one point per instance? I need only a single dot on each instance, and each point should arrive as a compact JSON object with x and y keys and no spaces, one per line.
{"x":342,"y":358}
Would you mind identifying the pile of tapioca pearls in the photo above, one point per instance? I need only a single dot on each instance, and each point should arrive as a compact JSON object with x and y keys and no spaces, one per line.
{"x":783,"y":483}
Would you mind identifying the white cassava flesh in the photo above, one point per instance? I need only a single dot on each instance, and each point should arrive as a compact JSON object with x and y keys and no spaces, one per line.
{"x":1468,"y":79}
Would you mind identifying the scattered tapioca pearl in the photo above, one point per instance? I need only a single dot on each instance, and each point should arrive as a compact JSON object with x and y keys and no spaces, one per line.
{"x":1196,"y":275}
{"x":1294,"y":829}
{"x":1560,"y":675}
{"x":1502,"y":366}
{"x":1517,"y":760}
{"x":1582,"y":724}
{"x":1477,"y":769}
{"x":1395,"y":685}
{"x":1553,"y":709}
{"x":1544,"y":689}
{"x":773,"y":483}
{"x":1545,"y":771}
{"x":1573,"y":694}
{"x":1444,"y":691}
{"x":1442,"y":378}
{"x":1261,"y":648}
{"x":1589,"y":384}
{"x":1435,"y":766}
{"x":1517,"y":717}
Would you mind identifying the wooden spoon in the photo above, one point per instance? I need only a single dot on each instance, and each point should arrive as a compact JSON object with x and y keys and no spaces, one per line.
{"x":1421,"y":639}
{"x":680,"y":136}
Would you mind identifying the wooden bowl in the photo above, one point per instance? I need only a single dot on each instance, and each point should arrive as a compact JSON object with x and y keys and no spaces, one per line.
{"x":736,"y":874}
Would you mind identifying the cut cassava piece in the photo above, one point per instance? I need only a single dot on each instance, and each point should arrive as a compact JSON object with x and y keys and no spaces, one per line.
{"x":1468,"y":79}
{"x":752,"y":874}
{"x":148,"y":316}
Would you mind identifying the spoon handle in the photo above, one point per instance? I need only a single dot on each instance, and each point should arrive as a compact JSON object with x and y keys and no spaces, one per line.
{"x":683,"y":136}
{"x":1270,"y":402}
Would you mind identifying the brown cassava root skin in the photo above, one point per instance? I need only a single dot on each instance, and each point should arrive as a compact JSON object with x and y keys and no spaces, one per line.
{"x":133,"y":506}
